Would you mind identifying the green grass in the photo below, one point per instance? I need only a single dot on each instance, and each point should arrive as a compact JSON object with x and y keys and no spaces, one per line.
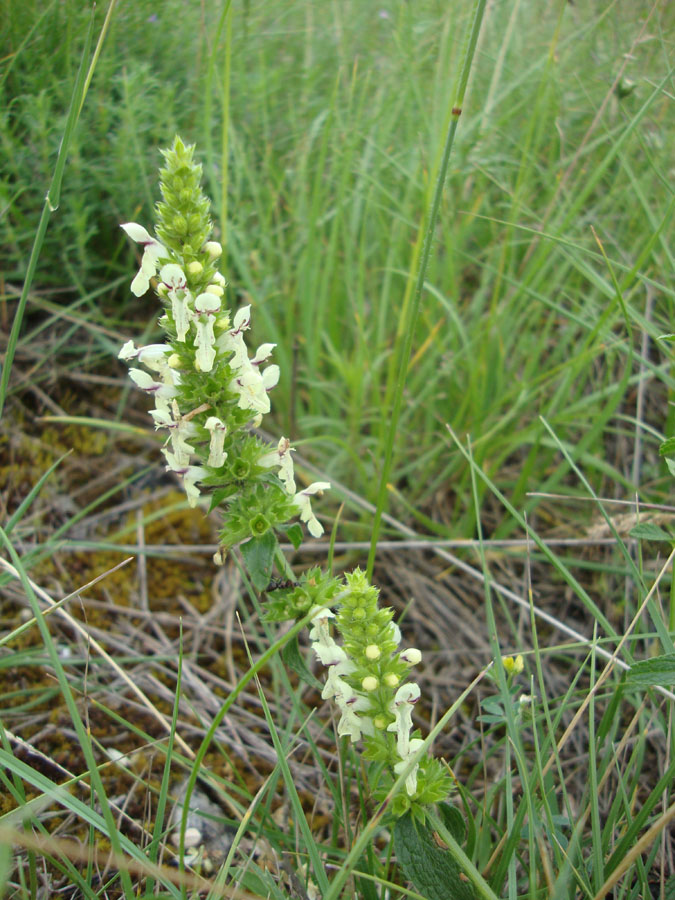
{"x":321,"y":129}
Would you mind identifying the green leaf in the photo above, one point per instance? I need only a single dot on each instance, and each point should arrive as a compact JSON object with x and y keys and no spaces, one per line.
{"x":671,"y":466}
{"x":221,"y":494}
{"x":650,"y":532}
{"x":258,"y":554}
{"x":667,"y":448}
{"x":453,"y":821}
{"x":294,"y":534}
{"x":431,"y":869}
{"x":660,"y":670}
{"x":294,"y":660}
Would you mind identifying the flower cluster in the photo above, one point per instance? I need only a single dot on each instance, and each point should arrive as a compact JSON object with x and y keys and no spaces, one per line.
{"x":366,"y":680}
{"x":207,"y":392}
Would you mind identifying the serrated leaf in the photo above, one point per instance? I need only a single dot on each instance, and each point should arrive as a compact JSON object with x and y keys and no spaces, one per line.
{"x":295,"y":661}
{"x":667,"y":448}
{"x":647,"y":531}
{"x":258,"y":554}
{"x":660,"y":670}
{"x":218,"y":496}
{"x":431,"y":869}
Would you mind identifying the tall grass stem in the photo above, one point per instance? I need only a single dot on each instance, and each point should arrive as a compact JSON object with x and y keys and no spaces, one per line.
{"x":413,"y":309}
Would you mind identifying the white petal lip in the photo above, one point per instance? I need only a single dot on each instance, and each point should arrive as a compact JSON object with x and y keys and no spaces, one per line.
{"x":207,"y":303}
{"x":173,"y":276}
{"x":242,"y":319}
{"x":270,"y":377}
{"x":407,"y":693}
{"x":152,"y":250}
{"x":138,"y":233}
{"x":128,"y":351}
{"x":262,"y":353}
{"x":316,"y":486}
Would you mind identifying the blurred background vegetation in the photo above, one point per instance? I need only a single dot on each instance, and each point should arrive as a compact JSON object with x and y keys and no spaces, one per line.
{"x":320,"y":127}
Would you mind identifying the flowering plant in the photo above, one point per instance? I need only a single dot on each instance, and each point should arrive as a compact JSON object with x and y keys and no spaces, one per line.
{"x":207,"y":392}
{"x":208,"y":395}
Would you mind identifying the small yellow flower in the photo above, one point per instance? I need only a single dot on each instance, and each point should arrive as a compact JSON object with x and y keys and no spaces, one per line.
{"x":513,"y":665}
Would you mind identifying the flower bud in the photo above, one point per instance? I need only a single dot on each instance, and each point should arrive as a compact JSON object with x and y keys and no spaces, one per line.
{"x":213,"y":248}
{"x":195,"y":267}
{"x":370,"y":683}
{"x":214,"y":289}
{"x":391,"y":679}
{"x":373,"y":651}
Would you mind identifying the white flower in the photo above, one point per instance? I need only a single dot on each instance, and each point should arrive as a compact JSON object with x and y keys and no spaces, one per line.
{"x":330,"y":655}
{"x":402,"y":706}
{"x":191,"y":475}
{"x":320,"y":630}
{"x":404,"y":700}
{"x":206,"y":307}
{"x":174,"y":281}
{"x":302,"y":501}
{"x":350,"y":703}
{"x":218,"y":430}
{"x":253,"y":386}
{"x":179,"y":430}
{"x":262,"y":353}
{"x":128,"y":351}
{"x":338,"y":664}
{"x":162,"y":391}
{"x":399,"y":767}
{"x":152,"y":252}
{"x":412,"y":656}
{"x":162,"y":417}
{"x":281,"y":457}
{"x":232,"y":341}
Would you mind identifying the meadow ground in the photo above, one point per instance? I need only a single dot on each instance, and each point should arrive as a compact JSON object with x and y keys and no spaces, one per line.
{"x":528,"y":508}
